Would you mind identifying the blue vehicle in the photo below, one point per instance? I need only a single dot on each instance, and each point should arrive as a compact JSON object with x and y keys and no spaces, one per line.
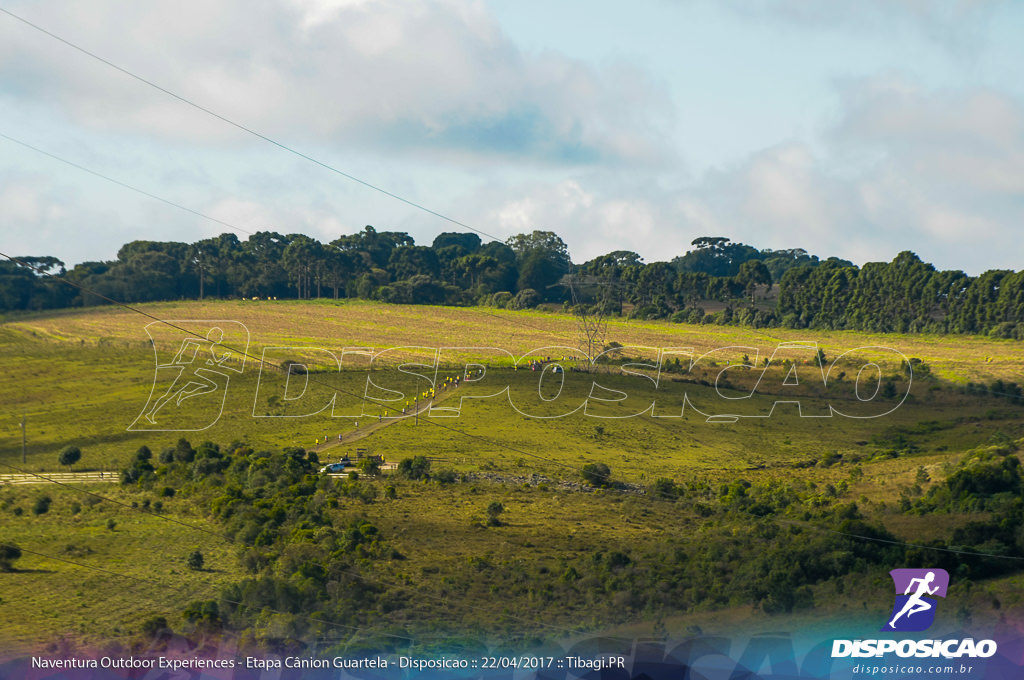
{"x":340,"y":466}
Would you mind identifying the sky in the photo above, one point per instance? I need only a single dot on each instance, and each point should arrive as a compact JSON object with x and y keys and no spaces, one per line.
{"x":855,"y":130}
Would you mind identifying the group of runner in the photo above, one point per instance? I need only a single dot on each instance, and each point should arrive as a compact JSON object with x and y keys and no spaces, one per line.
{"x":426,"y":395}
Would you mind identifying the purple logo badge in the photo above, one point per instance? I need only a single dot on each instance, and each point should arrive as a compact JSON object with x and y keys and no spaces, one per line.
{"x":916,"y":590}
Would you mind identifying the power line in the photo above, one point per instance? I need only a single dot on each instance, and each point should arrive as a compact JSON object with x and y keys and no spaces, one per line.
{"x":111,"y":500}
{"x":438,"y":424}
{"x":179,"y":206}
{"x":262,"y":361}
{"x":449,"y":428}
{"x":902,"y":544}
{"x":122,"y":184}
{"x":246,"y":129}
{"x":297,"y":153}
{"x":109,"y":572}
{"x":315,"y":161}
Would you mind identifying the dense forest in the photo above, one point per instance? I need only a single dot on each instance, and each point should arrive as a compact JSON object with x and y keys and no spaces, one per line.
{"x":717,"y":281}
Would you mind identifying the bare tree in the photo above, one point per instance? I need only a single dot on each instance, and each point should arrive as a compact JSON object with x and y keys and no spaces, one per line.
{"x":591,"y":319}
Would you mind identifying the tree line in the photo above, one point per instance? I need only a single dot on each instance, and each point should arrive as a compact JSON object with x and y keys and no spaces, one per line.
{"x":716,"y":281}
{"x":457,"y":268}
{"x":905,"y":295}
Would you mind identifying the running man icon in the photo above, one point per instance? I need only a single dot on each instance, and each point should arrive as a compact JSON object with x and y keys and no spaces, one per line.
{"x":190,"y":386}
{"x":915,"y":611}
{"x":915,"y":604}
{"x":201,"y":380}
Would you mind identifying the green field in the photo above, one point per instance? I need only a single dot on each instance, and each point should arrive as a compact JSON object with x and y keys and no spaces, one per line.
{"x":564,"y":556}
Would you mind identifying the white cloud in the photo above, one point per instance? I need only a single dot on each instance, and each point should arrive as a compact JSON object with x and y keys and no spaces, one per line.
{"x":593,"y":215}
{"x":903,"y":168}
{"x":435,"y":102}
{"x":971,"y":138}
{"x":432,"y":77}
{"x":960,"y":26}
{"x":24,"y":201}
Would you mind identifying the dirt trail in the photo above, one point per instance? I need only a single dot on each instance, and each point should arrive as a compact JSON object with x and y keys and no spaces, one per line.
{"x":377,"y":425}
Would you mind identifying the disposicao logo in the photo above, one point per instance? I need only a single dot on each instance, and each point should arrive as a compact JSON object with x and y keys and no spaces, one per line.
{"x":914,"y":611}
{"x":916,"y":590}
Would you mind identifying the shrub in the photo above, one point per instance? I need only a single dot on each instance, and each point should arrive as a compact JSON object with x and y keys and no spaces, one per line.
{"x":183,"y":452}
{"x":70,"y":455}
{"x":369,"y":466}
{"x":204,"y":614}
{"x":527,"y":298}
{"x":501,"y":299}
{"x":494,"y":511}
{"x":195,"y":560}
{"x":596,"y":474}
{"x":42,"y":505}
{"x":664,"y":488}
{"x":155,"y":626}
{"x":417,"y":467}
{"x":445,"y":476}
{"x":8,"y":553}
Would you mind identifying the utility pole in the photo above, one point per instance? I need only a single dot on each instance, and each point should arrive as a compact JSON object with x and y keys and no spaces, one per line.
{"x":417,"y":409}
{"x":23,"y":459}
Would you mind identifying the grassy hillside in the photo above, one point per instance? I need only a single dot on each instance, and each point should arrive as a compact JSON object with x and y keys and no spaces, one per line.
{"x":82,"y":377}
{"x":589,"y":558}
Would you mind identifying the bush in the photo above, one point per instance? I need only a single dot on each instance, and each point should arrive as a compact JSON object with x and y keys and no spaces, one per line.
{"x":195,"y":560}
{"x":42,"y":505}
{"x":829,"y":458}
{"x":8,"y":553}
{"x":889,"y":389}
{"x":501,"y":299}
{"x":203,"y":614}
{"x":1005,"y":330}
{"x":155,"y":626}
{"x":527,"y":298}
{"x":292,"y":367}
{"x":494,"y":510}
{"x":70,"y":455}
{"x":596,"y":474}
{"x":183,"y":452}
{"x":445,"y":476}
{"x":664,"y":488}
{"x":139,"y":472}
{"x":414,"y":468}
{"x":369,"y":466}
{"x":648,"y":312}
